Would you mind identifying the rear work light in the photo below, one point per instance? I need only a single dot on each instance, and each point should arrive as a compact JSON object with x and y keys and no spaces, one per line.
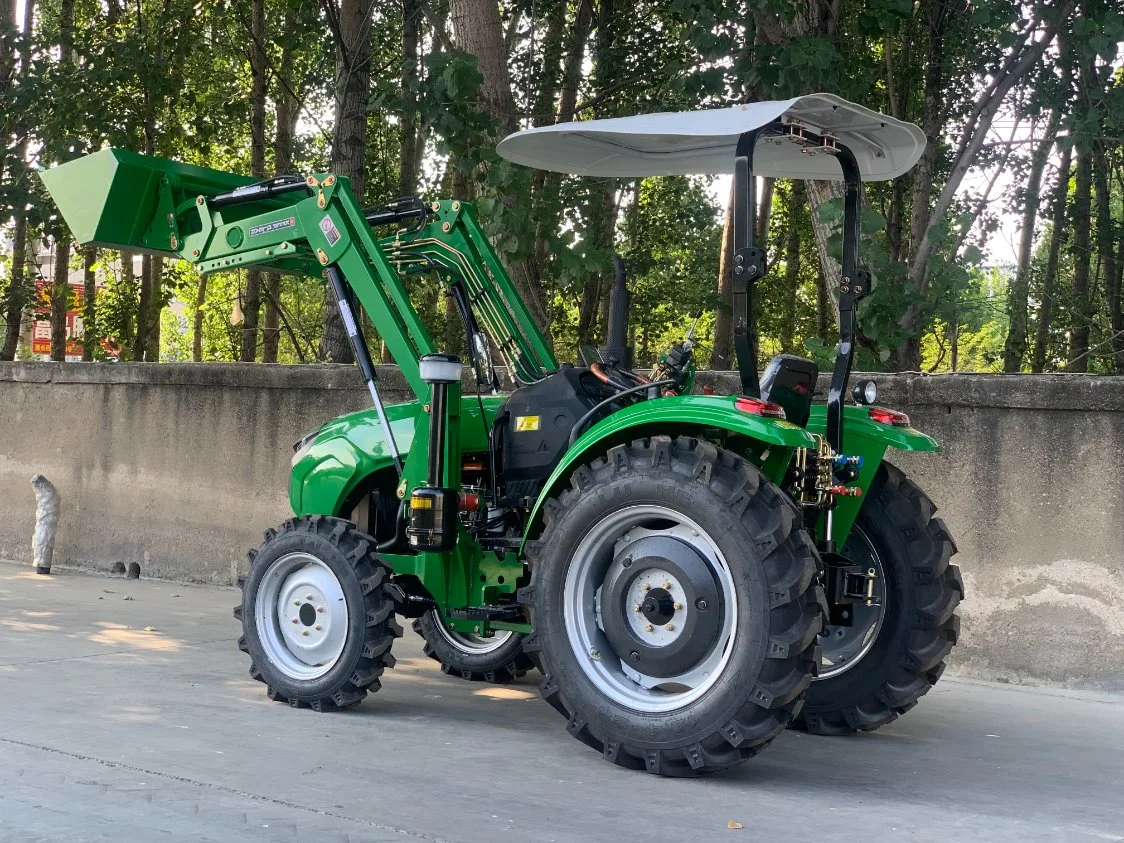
{"x":890,"y":417}
{"x":757,"y":407}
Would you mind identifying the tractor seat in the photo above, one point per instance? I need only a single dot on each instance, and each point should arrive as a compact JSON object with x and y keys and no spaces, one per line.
{"x":789,"y":380}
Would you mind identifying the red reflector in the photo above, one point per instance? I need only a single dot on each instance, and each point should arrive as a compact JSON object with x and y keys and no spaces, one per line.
{"x":757,"y":407}
{"x":890,"y":417}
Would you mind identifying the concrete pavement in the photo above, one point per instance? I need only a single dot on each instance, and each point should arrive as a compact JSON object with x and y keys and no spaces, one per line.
{"x":112,"y":732}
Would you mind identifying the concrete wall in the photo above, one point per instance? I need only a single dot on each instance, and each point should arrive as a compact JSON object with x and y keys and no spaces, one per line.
{"x":180,"y":467}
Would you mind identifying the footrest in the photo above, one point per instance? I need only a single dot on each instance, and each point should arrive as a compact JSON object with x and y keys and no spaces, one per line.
{"x":488,"y":613}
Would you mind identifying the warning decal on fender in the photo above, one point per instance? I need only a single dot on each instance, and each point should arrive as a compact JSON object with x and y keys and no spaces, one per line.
{"x":526,"y":424}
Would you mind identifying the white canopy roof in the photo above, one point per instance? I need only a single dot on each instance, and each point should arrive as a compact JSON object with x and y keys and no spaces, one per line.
{"x":672,"y":143}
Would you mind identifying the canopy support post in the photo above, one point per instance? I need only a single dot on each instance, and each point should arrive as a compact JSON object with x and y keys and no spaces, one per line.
{"x":854,"y":285}
{"x":749,"y":261}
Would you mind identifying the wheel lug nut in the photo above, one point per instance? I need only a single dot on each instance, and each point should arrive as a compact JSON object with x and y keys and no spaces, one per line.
{"x":669,"y":627}
{"x":700,"y":604}
{"x":649,"y":628}
{"x":634,"y":656}
{"x":320,"y":609}
{"x":317,"y":627}
{"x":677,"y":606}
{"x":294,"y":620}
{"x":304,"y":632}
{"x":296,"y":602}
{"x":308,"y":597}
{"x":636,"y":607}
{"x":645,"y":587}
{"x":666,"y":585}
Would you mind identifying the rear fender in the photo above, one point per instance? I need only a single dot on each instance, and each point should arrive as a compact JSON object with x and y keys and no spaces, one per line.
{"x":869,"y":440}
{"x":712,"y":416}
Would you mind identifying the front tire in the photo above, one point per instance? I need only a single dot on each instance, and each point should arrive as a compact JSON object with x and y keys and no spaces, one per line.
{"x":317,"y":614}
{"x":675,"y":607}
{"x":498,"y":660}
{"x":897,"y":653}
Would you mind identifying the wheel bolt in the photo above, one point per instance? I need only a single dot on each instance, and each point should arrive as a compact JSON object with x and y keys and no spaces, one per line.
{"x":636,"y":607}
{"x":627,"y":562}
{"x":296,"y":602}
{"x":308,"y":597}
{"x":645,"y":587}
{"x":677,"y":606}
{"x":317,"y":627}
{"x":700,"y":604}
{"x":320,"y":609}
{"x":666,"y":585}
{"x":669,"y":627}
{"x":649,"y":628}
{"x":634,"y":656}
{"x":294,"y":620}
{"x":304,"y":632}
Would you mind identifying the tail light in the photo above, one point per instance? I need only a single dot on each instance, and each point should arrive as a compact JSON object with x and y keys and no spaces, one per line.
{"x":890,"y":417}
{"x":757,"y":407}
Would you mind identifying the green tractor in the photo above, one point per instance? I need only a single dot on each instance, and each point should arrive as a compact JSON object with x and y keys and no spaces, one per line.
{"x":692,"y":573}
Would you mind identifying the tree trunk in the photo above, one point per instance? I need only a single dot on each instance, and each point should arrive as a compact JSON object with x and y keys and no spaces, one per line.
{"x":479,"y":31}
{"x":60,"y":297}
{"x":791,"y":270}
{"x":155,"y":305}
{"x":764,"y":211}
{"x":60,"y":294}
{"x":1050,"y":274}
{"x":721,"y":356}
{"x":408,"y":157}
{"x":252,"y":306}
{"x":19,"y":290}
{"x":144,"y":305}
{"x":197,"y":321}
{"x":1106,"y":243}
{"x":349,"y":140}
{"x":1078,"y":353}
{"x":1014,"y":349}
{"x":288,"y":111}
{"x":89,"y":295}
{"x":1116,"y":308}
{"x":825,"y":307}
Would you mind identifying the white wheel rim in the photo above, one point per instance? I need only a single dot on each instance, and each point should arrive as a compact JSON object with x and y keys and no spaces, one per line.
{"x":301,"y":616}
{"x":474,"y":644}
{"x":608,"y":670}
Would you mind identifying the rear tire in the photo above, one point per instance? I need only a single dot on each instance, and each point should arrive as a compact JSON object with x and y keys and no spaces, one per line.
{"x":498,"y":659}
{"x":709,"y":679}
{"x":317,"y":614}
{"x":918,"y":627}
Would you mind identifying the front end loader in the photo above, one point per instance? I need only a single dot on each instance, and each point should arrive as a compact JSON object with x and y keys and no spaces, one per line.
{"x":692,"y":574}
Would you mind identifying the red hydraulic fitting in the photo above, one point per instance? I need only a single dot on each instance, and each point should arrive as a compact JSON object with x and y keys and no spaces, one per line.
{"x":846,"y":491}
{"x":468,"y":502}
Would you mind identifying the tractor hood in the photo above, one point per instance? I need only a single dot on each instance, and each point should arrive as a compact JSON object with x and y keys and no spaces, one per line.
{"x":683,"y":143}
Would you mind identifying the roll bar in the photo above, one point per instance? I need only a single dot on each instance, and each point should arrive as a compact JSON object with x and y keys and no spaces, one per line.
{"x":749,"y":264}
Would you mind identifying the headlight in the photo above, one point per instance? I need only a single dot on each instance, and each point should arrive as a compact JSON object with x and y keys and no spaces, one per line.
{"x":303,"y":445}
{"x":865,"y":392}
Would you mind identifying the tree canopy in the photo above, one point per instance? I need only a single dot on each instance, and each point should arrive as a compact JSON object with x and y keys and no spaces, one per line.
{"x":1003,"y":250}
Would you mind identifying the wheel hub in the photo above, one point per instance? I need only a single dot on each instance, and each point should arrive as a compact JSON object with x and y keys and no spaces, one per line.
{"x":651,"y":608}
{"x":301,"y":616}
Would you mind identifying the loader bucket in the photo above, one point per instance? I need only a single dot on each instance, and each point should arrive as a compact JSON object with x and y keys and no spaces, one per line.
{"x":112,"y":198}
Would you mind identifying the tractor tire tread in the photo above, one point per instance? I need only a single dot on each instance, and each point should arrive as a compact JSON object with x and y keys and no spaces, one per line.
{"x":791,"y":567}
{"x":934,"y":628}
{"x":381,"y":627}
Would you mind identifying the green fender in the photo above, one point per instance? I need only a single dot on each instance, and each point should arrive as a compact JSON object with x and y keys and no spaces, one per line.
{"x":677,"y":414}
{"x":870,"y":440}
{"x":333,"y":461}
